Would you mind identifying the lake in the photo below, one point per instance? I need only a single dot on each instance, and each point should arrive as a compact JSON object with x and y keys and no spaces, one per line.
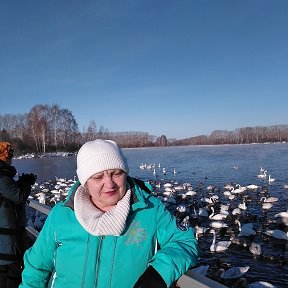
{"x":204,"y":166}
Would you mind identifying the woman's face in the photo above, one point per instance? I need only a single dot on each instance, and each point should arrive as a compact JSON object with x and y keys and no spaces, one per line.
{"x":107,"y":188}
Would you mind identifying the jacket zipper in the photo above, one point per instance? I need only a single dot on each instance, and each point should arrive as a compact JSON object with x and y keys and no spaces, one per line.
{"x":98,"y":260}
{"x":85,"y":263}
{"x":113,"y":261}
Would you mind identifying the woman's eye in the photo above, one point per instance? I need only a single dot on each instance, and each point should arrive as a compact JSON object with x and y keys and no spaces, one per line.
{"x":117,"y":174}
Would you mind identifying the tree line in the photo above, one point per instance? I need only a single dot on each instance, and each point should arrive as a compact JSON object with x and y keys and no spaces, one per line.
{"x":246,"y":135}
{"x":52,"y":129}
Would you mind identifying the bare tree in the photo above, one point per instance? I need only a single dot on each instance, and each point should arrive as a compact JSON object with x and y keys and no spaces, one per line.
{"x":55,"y":114}
{"x":91,"y":131}
{"x":68,"y":126}
{"x":39,"y":126}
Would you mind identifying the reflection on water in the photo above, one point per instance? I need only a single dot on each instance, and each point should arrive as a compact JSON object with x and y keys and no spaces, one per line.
{"x":208,"y":165}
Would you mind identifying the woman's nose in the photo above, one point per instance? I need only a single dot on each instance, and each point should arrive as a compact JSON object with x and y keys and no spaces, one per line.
{"x":109,"y":181}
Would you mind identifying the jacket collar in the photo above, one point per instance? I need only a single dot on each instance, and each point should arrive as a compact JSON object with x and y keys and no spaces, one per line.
{"x":6,"y":169}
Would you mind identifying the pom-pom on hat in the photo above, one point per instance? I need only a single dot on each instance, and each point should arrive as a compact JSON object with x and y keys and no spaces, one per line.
{"x":6,"y":152}
{"x":97,"y":156}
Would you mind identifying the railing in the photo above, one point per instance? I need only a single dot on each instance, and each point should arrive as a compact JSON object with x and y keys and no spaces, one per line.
{"x":188,"y":280}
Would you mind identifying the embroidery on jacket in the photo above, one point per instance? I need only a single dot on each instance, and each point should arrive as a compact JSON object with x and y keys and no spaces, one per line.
{"x":136,"y":234}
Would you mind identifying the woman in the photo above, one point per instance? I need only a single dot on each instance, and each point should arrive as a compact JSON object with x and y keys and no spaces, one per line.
{"x":106,"y":233}
{"x":13,"y":238}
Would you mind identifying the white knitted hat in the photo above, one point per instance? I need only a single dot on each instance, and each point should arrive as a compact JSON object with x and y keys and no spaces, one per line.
{"x":97,"y":156}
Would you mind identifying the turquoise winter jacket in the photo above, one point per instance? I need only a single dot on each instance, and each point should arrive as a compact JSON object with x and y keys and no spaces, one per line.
{"x":72,"y":257}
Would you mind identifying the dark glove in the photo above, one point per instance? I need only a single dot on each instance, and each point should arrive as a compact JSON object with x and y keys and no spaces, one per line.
{"x":150,"y":279}
{"x":28,"y":179}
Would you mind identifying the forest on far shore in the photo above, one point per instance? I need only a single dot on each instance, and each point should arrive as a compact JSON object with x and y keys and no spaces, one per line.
{"x":53,"y":129}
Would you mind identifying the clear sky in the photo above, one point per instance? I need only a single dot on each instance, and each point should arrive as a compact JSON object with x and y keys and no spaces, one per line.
{"x":176,"y":67}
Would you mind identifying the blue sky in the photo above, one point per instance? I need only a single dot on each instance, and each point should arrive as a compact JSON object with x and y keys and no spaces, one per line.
{"x":179,"y":68}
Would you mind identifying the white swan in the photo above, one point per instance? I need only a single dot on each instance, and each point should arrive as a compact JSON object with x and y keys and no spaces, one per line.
{"x":281,"y":218}
{"x":224,"y":208}
{"x":270,"y":179}
{"x":219,"y":216}
{"x":234,"y":272}
{"x":202,"y":270}
{"x":269,"y":199}
{"x":255,"y":249}
{"x":167,"y":185}
{"x":181,"y":208}
{"x":218,"y":224}
{"x":260,"y":284}
{"x":262,"y":175}
{"x":238,"y":190}
{"x":41,"y":197}
{"x":252,"y":187}
{"x":283,"y":214}
{"x":228,"y":186}
{"x":210,"y":200}
{"x":278,"y":234}
{"x":190,"y":193}
{"x":203,"y":212}
{"x":198,"y":230}
{"x":245,"y":229}
{"x":227,"y":193}
{"x":236,"y":211}
{"x":267,"y":206}
{"x":218,"y":246}
{"x":186,"y":222}
{"x":242,"y":205}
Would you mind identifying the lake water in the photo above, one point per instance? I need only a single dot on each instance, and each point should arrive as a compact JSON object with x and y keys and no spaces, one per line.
{"x":217,"y":166}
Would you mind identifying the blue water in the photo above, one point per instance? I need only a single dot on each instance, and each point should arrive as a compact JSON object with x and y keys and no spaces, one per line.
{"x":209,"y":165}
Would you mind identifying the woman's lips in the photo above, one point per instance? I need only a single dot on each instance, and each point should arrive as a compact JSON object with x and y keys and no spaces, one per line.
{"x":110,"y":193}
